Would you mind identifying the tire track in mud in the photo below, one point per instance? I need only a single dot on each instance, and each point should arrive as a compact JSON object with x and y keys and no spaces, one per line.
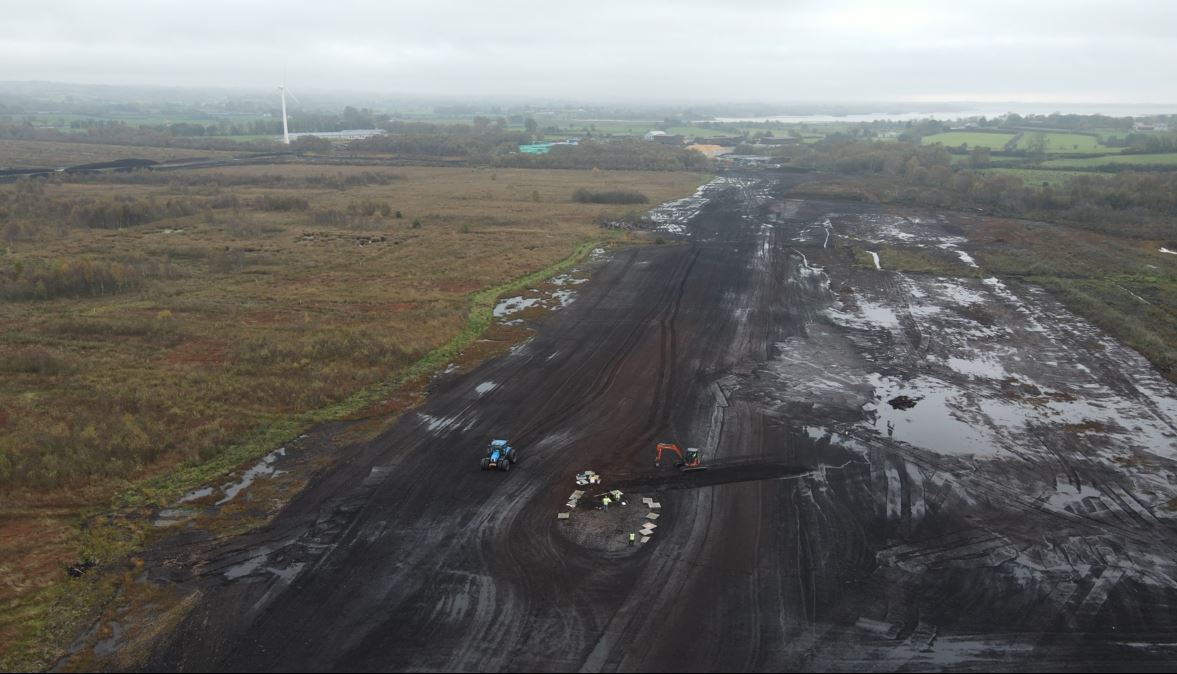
{"x":668,"y":364}
{"x":604,"y":377}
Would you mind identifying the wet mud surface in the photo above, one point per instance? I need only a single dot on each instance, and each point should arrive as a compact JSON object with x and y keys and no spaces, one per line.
{"x":906,"y":472}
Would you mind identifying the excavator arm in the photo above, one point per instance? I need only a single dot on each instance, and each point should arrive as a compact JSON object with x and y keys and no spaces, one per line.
{"x":664,"y":446}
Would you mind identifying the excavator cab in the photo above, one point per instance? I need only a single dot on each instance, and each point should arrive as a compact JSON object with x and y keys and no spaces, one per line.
{"x":689,"y":460}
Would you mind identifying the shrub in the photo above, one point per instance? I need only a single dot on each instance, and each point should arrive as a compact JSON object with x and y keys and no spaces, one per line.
{"x":369,"y":208}
{"x":33,"y":361}
{"x":69,"y":277}
{"x":587,"y":196}
{"x":271,"y":202}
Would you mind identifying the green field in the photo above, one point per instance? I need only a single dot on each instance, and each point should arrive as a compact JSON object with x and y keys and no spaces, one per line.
{"x":1119,"y":161}
{"x":1036,"y":177}
{"x":1106,"y":135}
{"x":994,"y":141}
{"x":1065,"y":143}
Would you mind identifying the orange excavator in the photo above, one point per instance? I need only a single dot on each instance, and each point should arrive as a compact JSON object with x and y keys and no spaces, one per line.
{"x":687,"y":461}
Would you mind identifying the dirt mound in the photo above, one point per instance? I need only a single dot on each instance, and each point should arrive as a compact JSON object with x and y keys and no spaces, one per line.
{"x":904,"y":402}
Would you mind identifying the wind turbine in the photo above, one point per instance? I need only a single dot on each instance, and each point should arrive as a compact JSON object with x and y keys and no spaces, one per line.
{"x":285,"y":127}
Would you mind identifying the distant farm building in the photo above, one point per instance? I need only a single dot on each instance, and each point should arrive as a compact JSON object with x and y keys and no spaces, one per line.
{"x":536,"y":148}
{"x":544,"y":148}
{"x":663,"y":137}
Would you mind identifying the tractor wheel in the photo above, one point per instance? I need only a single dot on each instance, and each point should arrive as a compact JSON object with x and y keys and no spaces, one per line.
{"x":506,"y":465}
{"x":485,"y":463}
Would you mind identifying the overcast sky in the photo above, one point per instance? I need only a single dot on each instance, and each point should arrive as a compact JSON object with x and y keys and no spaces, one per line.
{"x":1121,"y":51}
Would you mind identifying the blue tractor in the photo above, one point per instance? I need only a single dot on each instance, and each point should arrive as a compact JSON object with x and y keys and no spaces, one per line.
{"x":499,"y":455}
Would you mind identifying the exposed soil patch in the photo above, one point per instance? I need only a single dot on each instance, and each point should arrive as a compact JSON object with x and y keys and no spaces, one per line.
{"x":592,"y":528}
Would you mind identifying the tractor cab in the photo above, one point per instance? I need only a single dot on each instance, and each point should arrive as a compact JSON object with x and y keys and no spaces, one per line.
{"x":499,"y":455}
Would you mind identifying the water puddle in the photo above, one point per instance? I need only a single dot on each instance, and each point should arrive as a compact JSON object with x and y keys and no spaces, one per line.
{"x":966,"y":259}
{"x":941,"y":421}
{"x":567,"y":279}
{"x":513,"y":305}
{"x":868,"y":315}
{"x":245,"y":568}
{"x":982,"y":366}
{"x":262,"y":468}
{"x":196,"y":494}
{"x":564,"y":297}
{"x":171,"y":516}
{"x":452,"y":423}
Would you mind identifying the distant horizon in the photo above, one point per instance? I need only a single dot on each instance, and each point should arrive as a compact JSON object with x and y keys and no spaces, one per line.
{"x":961,"y":107}
{"x":695,"y":52}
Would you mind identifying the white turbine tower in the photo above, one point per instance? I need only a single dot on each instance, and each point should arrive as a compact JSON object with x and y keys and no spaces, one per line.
{"x":285,"y":126}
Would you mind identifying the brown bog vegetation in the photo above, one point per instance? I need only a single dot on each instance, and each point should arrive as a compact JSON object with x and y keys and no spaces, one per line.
{"x":152,"y":318}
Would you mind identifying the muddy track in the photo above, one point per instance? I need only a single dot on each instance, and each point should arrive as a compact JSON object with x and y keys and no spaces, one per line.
{"x":829,"y":532}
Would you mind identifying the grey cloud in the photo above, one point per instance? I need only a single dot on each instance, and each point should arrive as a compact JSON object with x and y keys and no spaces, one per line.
{"x":681,"y":50}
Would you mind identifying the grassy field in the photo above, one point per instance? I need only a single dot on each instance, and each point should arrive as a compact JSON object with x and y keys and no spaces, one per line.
{"x":1036,"y":177}
{"x":1065,"y":143}
{"x":45,"y":154}
{"x":257,"y":294}
{"x":214,"y":321}
{"x":994,"y":141}
{"x":1106,"y":135}
{"x":1118,"y":161}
